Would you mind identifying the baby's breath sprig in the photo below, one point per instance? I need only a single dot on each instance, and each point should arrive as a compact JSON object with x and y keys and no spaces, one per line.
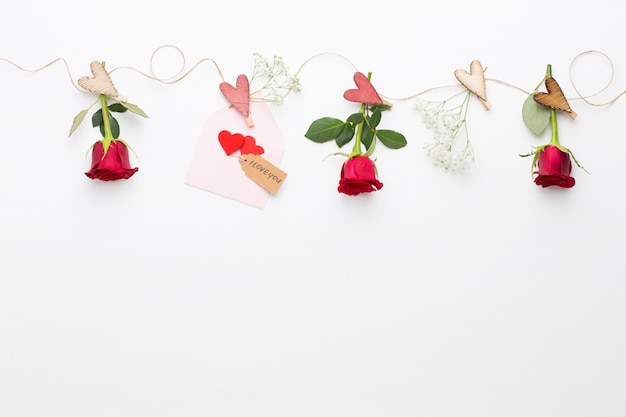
{"x":278,"y":82}
{"x":446,"y":118}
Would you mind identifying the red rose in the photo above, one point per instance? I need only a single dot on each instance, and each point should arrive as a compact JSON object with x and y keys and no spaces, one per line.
{"x":115,"y":165}
{"x":554,"y":167}
{"x":358,"y":175}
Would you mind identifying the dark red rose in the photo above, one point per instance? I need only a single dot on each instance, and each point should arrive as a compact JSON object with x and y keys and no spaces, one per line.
{"x":554,"y":167}
{"x":115,"y":165}
{"x":358,"y":175}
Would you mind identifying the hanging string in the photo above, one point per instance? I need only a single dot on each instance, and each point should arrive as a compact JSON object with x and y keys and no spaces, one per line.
{"x":49,"y":64}
{"x":182,"y":57}
{"x":609,"y":82}
{"x":178,"y":77}
{"x":308,"y":60}
{"x":421,"y":93}
{"x":172,"y":79}
{"x":312,"y":58}
{"x":508,"y":85}
{"x":151,"y":76}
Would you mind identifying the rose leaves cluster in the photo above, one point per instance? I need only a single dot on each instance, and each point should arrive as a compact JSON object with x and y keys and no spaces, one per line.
{"x":358,"y":173}
{"x":110,"y":159}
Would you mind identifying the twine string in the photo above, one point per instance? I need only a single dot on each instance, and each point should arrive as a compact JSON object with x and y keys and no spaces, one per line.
{"x":178,"y":77}
{"x":308,"y":60}
{"x":608,"y":83}
{"x":49,"y":64}
{"x":172,"y":79}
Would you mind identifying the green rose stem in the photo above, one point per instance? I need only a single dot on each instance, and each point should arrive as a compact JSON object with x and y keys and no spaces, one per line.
{"x":356,"y":149}
{"x":108,"y":134}
{"x":554,"y":140}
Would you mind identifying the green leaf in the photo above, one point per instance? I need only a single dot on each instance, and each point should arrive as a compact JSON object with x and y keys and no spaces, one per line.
{"x":536,"y":117}
{"x":96,"y":119}
{"x":134,"y":108}
{"x":367,"y":136}
{"x":346,"y":135}
{"x":117,"y":107}
{"x":324,"y":129}
{"x":355,"y":118}
{"x":380,"y":107}
{"x":115,"y":127}
{"x":347,"y":155}
{"x":374,"y":119}
{"x":78,"y":119}
{"x":391,"y":139}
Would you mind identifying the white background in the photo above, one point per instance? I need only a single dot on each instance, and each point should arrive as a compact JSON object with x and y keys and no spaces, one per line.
{"x":471,"y":293}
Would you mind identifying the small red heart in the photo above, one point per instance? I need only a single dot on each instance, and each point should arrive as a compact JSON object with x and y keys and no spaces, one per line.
{"x":364,"y":93}
{"x":239,"y":97}
{"x":230,"y":143}
{"x":250,"y":146}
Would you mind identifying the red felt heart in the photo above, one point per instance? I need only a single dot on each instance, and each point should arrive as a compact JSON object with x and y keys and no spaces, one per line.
{"x":230,"y":143}
{"x":364,"y":93}
{"x":239,"y":97}
{"x":250,"y":146}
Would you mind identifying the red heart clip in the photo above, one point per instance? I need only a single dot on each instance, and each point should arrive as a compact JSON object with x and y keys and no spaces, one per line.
{"x":250,"y":146}
{"x":239,"y":97}
{"x":364,"y":93}
{"x":230,"y":143}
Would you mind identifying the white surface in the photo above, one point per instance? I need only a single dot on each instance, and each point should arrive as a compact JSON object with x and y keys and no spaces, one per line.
{"x":460,"y":294}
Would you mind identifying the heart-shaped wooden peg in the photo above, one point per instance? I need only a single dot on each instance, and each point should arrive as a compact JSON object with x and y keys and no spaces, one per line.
{"x":100,"y":82}
{"x":230,"y":142}
{"x":474,"y":81}
{"x":250,"y":146}
{"x":554,"y":98}
{"x":239,"y":96}
{"x":364,"y":93}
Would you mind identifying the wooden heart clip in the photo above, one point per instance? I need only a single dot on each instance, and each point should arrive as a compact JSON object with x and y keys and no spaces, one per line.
{"x":239,"y":96}
{"x":474,"y":81}
{"x":100,"y":82}
{"x":554,"y":98}
{"x":364,"y":93}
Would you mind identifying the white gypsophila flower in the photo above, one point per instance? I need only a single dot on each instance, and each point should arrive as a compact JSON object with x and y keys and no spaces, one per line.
{"x":430,"y":112}
{"x":420,"y":104}
{"x":277,"y":80}
{"x":444,"y":150}
{"x":451,"y":120}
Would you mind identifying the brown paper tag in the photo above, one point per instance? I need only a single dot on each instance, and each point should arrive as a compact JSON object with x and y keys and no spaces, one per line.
{"x":262,"y":172}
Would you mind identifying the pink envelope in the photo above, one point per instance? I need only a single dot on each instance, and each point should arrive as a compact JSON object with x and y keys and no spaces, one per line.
{"x":212,"y":170}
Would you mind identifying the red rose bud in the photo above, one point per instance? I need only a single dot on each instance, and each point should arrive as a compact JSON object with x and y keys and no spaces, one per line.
{"x":358,"y":175}
{"x":554,"y":167}
{"x":115,"y":165}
